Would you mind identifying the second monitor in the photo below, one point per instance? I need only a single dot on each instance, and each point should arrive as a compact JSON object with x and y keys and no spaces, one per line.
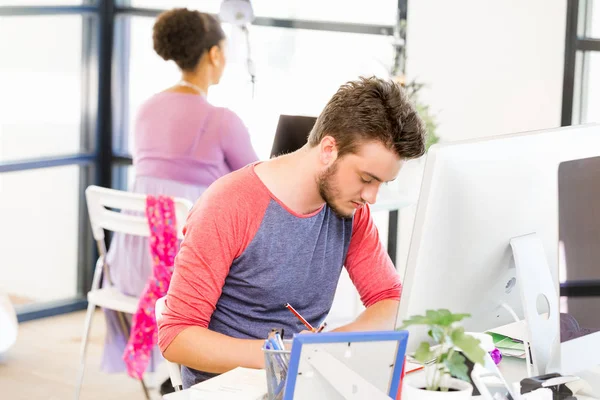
{"x":291,"y":134}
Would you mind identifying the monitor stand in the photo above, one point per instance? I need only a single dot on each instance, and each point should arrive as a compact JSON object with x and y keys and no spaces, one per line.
{"x":540,"y":301}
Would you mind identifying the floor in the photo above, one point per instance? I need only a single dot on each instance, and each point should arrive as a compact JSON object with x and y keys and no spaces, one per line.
{"x":43,"y":364}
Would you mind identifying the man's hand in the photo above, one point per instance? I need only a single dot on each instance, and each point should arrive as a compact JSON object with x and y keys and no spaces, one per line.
{"x":379,"y":316}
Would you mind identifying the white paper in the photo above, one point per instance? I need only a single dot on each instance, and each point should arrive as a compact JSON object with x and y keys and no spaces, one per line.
{"x":239,"y":383}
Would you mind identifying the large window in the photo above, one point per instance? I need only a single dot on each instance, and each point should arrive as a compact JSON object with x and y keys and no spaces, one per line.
{"x":589,"y":19}
{"x":47,"y":152}
{"x":39,"y":2}
{"x":39,"y":235}
{"x":381,"y":12}
{"x":297,"y":71}
{"x":40,"y":77}
{"x":590,"y":87}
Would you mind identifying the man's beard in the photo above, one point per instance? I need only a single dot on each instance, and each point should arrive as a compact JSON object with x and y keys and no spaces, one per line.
{"x":329,"y":191}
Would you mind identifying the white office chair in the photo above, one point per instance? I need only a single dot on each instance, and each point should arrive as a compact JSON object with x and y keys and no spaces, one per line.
{"x":174,"y":368}
{"x":9,"y":326}
{"x":100,"y":201}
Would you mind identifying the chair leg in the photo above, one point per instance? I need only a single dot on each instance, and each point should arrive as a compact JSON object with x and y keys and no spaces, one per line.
{"x":145,"y":389}
{"x":126,"y":330}
{"x":84,"y":342}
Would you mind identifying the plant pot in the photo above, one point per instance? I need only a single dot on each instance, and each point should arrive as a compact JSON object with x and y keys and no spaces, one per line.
{"x":412,"y":389}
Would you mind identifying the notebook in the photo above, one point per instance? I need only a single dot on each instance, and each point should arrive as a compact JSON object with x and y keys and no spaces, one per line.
{"x":239,"y":383}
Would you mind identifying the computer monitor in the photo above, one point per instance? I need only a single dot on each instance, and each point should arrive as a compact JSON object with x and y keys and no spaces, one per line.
{"x":476,"y":196}
{"x":579,"y":255}
{"x":291,"y":134}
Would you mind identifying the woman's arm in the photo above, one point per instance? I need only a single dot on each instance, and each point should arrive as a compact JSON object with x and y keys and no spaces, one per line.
{"x":236,"y":143}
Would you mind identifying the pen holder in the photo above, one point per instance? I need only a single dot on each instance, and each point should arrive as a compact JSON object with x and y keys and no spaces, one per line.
{"x":276,"y":365}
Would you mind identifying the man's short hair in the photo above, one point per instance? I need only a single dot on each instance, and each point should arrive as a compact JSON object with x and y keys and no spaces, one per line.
{"x":371,"y":109}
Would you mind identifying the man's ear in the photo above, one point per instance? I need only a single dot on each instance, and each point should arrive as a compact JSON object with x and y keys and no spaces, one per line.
{"x":327,"y":151}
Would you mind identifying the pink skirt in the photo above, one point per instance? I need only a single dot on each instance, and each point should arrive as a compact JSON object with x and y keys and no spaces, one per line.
{"x":130,"y":266}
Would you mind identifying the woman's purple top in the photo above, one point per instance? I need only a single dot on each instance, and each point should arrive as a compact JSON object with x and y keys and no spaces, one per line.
{"x":182,"y":137}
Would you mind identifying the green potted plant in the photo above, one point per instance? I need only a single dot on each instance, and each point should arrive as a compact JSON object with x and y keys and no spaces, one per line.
{"x":408,"y":183}
{"x":413,"y":89}
{"x":445,"y":375}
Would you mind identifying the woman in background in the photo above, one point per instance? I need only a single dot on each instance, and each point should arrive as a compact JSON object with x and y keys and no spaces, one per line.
{"x":182,"y":145}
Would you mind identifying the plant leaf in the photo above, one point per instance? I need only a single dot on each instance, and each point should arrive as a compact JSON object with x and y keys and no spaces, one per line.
{"x":448,"y":318}
{"x":437,"y":333}
{"x":442,"y":357}
{"x":470,"y":346}
{"x":457,"y":366}
{"x":433,"y":315}
{"x":424,"y":353}
{"x":416,"y":320}
{"x":441,"y":317}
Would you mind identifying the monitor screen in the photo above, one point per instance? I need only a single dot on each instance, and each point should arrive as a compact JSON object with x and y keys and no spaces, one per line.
{"x":579,"y":247}
{"x":291,"y":134}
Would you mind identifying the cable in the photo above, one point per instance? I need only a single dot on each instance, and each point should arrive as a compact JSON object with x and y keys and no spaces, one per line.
{"x":526,"y":343}
{"x":249,"y":62}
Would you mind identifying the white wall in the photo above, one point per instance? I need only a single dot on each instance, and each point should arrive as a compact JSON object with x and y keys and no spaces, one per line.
{"x":491,"y":67}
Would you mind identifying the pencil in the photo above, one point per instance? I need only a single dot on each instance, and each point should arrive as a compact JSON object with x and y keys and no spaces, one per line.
{"x":415,"y":370}
{"x":300,"y":317}
{"x":323,"y":325}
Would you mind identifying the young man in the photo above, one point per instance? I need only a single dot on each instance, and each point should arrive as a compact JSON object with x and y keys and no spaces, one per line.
{"x":280,"y":232}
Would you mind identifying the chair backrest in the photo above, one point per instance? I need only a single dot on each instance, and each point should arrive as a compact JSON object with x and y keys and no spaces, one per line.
{"x":174,"y":368}
{"x":100,"y":199}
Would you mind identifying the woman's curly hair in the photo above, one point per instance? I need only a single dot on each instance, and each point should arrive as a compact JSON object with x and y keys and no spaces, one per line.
{"x":184,"y":35}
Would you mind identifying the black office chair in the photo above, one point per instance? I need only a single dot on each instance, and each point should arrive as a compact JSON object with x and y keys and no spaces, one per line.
{"x":291,"y":134}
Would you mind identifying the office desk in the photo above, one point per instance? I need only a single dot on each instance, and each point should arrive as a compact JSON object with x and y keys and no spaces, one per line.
{"x":514,"y":370}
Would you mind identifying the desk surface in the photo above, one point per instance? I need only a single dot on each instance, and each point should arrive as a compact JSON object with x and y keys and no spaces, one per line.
{"x":513,"y":370}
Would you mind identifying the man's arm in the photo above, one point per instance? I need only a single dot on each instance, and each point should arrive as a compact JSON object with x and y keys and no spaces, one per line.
{"x":379,"y":316}
{"x":208,"y":351}
{"x":218,"y":229}
{"x":374,"y":276}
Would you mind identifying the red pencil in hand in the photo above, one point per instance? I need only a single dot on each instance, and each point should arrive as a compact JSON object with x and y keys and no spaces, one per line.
{"x":300,"y":317}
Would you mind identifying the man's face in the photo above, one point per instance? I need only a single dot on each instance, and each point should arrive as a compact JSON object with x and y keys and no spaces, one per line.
{"x":354,"y":179}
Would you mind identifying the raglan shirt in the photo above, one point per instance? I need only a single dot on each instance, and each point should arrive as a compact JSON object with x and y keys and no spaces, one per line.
{"x":245,"y":255}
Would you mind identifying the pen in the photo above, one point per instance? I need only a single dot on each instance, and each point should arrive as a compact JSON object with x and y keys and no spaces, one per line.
{"x":300,"y":317}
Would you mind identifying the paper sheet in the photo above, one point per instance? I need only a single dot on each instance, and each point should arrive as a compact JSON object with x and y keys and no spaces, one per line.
{"x":239,"y":383}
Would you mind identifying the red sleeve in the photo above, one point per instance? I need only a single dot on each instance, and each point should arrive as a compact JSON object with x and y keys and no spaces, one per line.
{"x":219,"y":228}
{"x":368,"y":263}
